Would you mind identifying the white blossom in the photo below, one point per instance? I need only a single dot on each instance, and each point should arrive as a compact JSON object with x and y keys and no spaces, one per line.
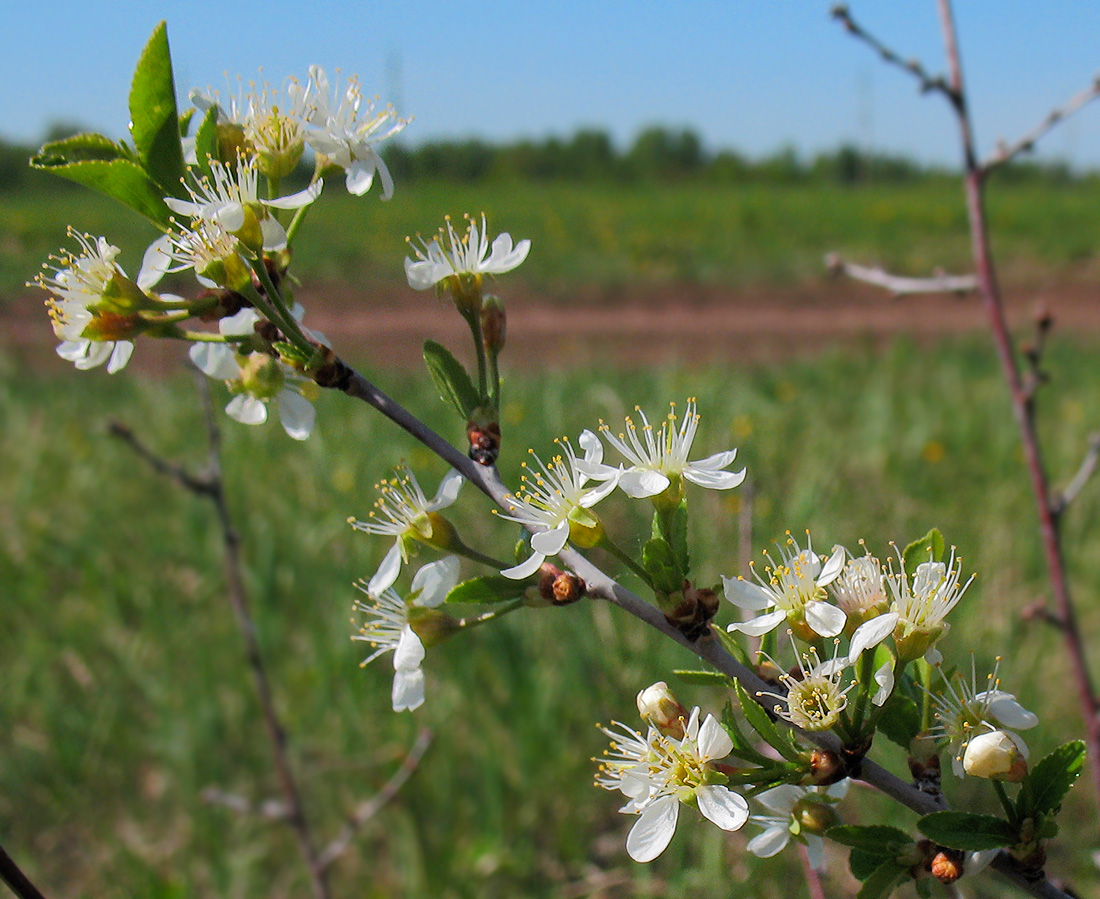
{"x":449,"y":255}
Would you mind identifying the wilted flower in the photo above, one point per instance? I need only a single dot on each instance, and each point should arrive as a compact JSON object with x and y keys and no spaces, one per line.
{"x":555,"y":499}
{"x":404,"y":513}
{"x":659,"y":460}
{"x":964,"y":713}
{"x":345,"y":130}
{"x":794,"y":589}
{"x":391,"y":627}
{"x":657,"y":773}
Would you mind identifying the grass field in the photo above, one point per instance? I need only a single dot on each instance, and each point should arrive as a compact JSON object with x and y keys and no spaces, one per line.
{"x":124,"y":690}
{"x":593,"y":238}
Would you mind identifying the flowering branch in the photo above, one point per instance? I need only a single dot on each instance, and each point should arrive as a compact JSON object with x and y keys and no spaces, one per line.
{"x":1006,"y":152}
{"x":898,"y":285}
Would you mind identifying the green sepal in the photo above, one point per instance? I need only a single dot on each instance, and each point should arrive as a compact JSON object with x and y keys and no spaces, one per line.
{"x":206,"y":140}
{"x":660,"y":564}
{"x":154,"y":118}
{"x":1044,"y":788}
{"x":879,"y":840}
{"x":492,"y":588}
{"x":917,"y":552}
{"x":108,"y":167}
{"x":703,"y":678}
{"x":451,"y":380}
{"x":900,"y":720}
{"x":882,"y":882}
{"x":758,"y":719}
{"x":967,"y":831}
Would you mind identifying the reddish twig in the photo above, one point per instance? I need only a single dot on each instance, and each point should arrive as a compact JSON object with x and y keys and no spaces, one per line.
{"x":1006,"y":152}
{"x":1022,"y":400}
{"x":897,"y":285}
{"x":211,"y":486}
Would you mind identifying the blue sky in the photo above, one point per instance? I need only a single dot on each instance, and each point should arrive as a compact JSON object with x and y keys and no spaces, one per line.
{"x":755,"y":76}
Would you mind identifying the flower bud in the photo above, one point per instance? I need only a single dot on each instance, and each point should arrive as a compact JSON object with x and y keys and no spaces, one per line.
{"x":659,"y":707}
{"x":826,"y":767}
{"x":947,"y":865}
{"x":997,"y":755}
{"x":814,"y":817}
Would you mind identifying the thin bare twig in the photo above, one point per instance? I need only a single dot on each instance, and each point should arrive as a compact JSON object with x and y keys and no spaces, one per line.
{"x":928,"y":82}
{"x":898,"y":285}
{"x":211,"y":486}
{"x":602,"y":586}
{"x":16,"y":880}
{"x":1008,"y":151}
{"x":269,"y":809}
{"x":1077,"y":483}
{"x":372,"y":806}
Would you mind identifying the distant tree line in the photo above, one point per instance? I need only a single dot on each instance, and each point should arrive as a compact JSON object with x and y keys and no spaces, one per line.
{"x":656,"y":154}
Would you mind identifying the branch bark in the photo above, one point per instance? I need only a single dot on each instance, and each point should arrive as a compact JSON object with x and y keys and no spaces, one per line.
{"x":897,"y":285}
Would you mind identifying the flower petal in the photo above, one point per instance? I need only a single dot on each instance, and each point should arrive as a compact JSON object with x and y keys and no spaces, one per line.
{"x":757,"y":627}
{"x":1008,"y":712}
{"x":387,"y":572}
{"x":781,"y":799}
{"x":550,"y":543}
{"x":653,"y":830}
{"x":409,"y":652}
{"x":408,"y":690}
{"x":434,"y":581}
{"x":884,"y":677}
{"x":120,"y":355}
{"x":448,"y":491}
{"x":247,"y":410}
{"x":714,"y":480}
{"x":771,"y":842}
{"x":296,"y":414}
{"x":643,"y":483}
{"x":713,"y":741}
{"x":833,"y":566}
{"x":871,"y":633}
{"x":721,"y":806}
{"x":524,"y":570}
{"x":825,"y":619}
{"x":746,"y":595}
{"x":215,"y":360}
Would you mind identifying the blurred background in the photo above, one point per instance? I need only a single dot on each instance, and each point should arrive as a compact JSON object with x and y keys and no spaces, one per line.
{"x":681,"y":169}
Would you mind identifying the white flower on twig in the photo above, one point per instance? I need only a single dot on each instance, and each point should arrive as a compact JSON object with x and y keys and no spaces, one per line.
{"x":447,"y":255}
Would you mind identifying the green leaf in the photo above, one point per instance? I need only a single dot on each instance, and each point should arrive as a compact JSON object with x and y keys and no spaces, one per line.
{"x":966,"y":831}
{"x":760,"y":722}
{"x":206,"y":140}
{"x":901,"y":720}
{"x":873,"y":839}
{"x":672,"y":526}
{"x":704,"y":678}
{"x":863,"y":864}
{"x":491,"y":588}
{"x":1051,"y":779}
{"x":451,"y":380}
{"x":660,"y":564}
{"x":882,"y":882}
{"x":732,"y":645}
{"x":108,"y":167}
{"x":918,"y":551}
{"x":154,"y":119}
{"x":742,"y":748}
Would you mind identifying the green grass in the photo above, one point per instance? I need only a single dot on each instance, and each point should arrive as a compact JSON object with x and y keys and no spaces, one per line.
{"x":595,"y":239}
{"x":125,"y":693}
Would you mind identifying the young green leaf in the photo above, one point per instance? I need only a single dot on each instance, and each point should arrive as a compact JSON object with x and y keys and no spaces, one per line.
{"x":966,"y":831}
{"x":491,"y":588}
{"x":206,"y":140}
{"x":742,"y":746}
{"x":154,"y":119}
{"x":863,"y":864}
{"x":760,"y":722}
{"x":929,"y":548}
{"x":881,"y":884}
{"x":660,"y":564}
{"x":873,"y":839}
{"x":704,"y":678}
{"x":1050,"y":780}
{"x":901,"y":720}
{"x":451,"y":380}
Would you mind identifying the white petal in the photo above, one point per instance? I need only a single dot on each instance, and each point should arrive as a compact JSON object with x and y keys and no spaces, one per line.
{"x":240,"y":325}
{"x":409,"y":652}
{"x":387,"y":572}
{"x":1008,"y":712}
{"x":301,"y":198}
{"x":408,"y":690}
{"x":359,"y":178}
{"x":592,"y":446}
{"x":247,"y":410}
{"x":653,"y":831}
{"x":714,"y":742}
{"x":757,"y":627}
{"x":550,"y":543}
{"x":781,"y":799}
{"x":296,"y":413}
{"x":215,"y":360}
{"x":871,"y":633}
{"x":826,"y":620}
{"x":434,"y":581}
{"x":154,"y":262}
{"x":120,"y":355}
{"x":722,"y":806}
{"x":642,"y":484}
{"x":716,"y":462}
{"x":746,"y":595}
{"x":448,"y":491}
{"x":229,"y":215}
{"x":525,"y":569}
{"x":770,"y":842}
{"x":273,"y":234}
{"x":714,"y":480}
{"x":593,"y":496}
{"x":833,"y":566}
{"x":884,"y":677}
{"x":815,"y":851}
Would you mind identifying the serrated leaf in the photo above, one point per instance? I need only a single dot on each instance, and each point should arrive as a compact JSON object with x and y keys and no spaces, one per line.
{"x":760,"y":722}
{"x":660,"y":564}
{"x":929,"y":548}
{"x":901,"y":720}
{"x":863,"y":864}
{"x":883,"y":881}
{"x":874,"y":839}
{"x":154,"y":119}
{"x":672,"y":527}
{"x":966,"y":831}
{"x":1051,"y":779}
{"x":492,"y":588}
{"x":206,"y":140}
{"x":451,"y":380}
{"x":731,"y":644}
{"x":704,"y":678}
{"x":102,"y":165}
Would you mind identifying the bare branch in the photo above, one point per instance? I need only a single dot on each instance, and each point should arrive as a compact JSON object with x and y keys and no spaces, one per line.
{"x":201,"y":486}
{"x":898,"y":285}
{"x":16,"y":880}
{"x":372,"y":806}
{"x":1077,"y":483}
{"x":1005,"y":152}
{"x":928,"y":82}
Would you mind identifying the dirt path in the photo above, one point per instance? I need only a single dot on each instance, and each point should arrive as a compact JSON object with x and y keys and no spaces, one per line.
{"x":686,"y":324}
